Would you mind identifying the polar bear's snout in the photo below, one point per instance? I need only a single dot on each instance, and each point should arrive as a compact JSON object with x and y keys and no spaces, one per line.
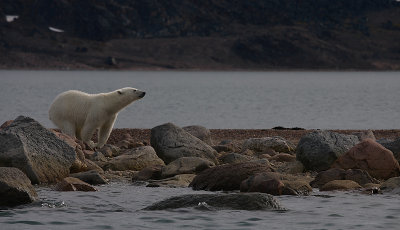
{"x":142,"y":94}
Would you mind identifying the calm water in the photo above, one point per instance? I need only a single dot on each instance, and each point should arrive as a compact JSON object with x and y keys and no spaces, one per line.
{"x":118,"y":206}
{"x":324,"y":100}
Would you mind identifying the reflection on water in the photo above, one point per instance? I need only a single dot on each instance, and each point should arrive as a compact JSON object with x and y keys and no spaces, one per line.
{"x":324,"y":100}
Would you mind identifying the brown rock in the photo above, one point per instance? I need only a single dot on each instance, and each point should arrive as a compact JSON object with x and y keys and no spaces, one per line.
{"x":283,"y":157}
{"x":340,"y":185}
{"x":326,"y":176}
{"x":74,"y":184}
{"x":152,"y":172}
{"x":5,"y":124}
{"x":372,"y":157}
{"x":228,"y":177}
{"x":263,"y":182}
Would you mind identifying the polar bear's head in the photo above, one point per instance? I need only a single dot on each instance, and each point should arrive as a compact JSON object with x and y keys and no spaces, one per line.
{"x":131,"y":94}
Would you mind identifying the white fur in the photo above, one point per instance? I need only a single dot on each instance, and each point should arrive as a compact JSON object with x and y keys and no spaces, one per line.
{"x":79,"y":114}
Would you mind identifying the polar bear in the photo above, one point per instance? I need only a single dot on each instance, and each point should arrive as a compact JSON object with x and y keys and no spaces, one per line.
{"x":79,"y":114}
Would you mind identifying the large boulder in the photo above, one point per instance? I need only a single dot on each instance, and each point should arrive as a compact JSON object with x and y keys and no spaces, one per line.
{"x":228,"y":177}
{"x":200,"y":132}
{"x":135,"y":159}
{"x":186,"y":165}
{"x":318,"y":150}
{"x":172,"y":142}
{"x":15,"y":187}
{"x":278,"y":144}
{"x":220,"y":201}
{"x":27,"y":145}
{"x":372,"y":157}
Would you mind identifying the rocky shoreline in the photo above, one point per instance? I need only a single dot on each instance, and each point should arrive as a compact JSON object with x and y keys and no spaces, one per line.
{"x":254,"y":166}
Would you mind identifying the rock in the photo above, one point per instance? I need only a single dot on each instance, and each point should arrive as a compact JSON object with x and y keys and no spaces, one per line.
{"x":27,"y":145}
{"x":151,"y":172}
{"x":186,"y":165}
{"x":393,"y":184}
{"x":5,"y":124}
{"x":262,"y":183}
{"x":278,"y":144}
{"x":233,"y":158}
{"x":283,"y":157}
{"x":223,"y":148}
{"x":74,"y":184}
{"x":372,"y":157}
{"x":181,"y":181}
{"x":15,"y":187}
{"x":135,"y":159}
{"x":93,"y":166}
{"x":172,"y":142}
{"x":357,"y":175}
{"x":276,"y":184}
{"x":295,"y":167}
{"x":318,"y":150}
{"x":220,"y":201}
{"x":98,"y":156}
{"x":200,"y":132}
{"x":364,"y":135}
{"x":110,"y":150}
{"x":92,"y":177}
{"x":340,"y":185}
{"x":228,"y":177}
{"x":393,"y":146}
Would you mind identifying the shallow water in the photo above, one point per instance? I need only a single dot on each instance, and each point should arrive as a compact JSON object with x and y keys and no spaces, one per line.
{"x":245,"y":100}
{"x":118,"y":206}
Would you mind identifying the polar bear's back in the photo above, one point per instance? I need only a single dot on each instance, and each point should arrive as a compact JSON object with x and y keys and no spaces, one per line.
{"x":70,"y":106}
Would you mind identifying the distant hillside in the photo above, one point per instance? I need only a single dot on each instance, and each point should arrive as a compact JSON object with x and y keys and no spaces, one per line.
{"x":207,"y":34}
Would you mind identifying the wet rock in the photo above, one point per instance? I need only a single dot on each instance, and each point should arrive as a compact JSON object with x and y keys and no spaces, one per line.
{"x":391,"y":185}
{"x":233,"y":158}
{"x":296,"y":187}
{"x":278,"y":144}
{"x":364,"y":135}
{"x":15,"y":187}
{"x":27,"y":145}
{"x":135,"y":159}
{"x":228,"y":177}
{"x":340,"y":185}
{"x":318,"y":150}
{"x":186,"y":165}
{"x":74,"y":184}
{"x":92,"y":177}
{"x":181,"y":181}
{"x":200,"y":132}
{"x":357,"y":175}
{"x":372,"y":157}
{"x":235,"y":201}
{"x":151,"y":172}
{"x":172,"y":142}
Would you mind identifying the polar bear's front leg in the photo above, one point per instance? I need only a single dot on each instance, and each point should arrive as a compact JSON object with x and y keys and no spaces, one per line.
{"x":105,"y":131}
{"x":87,"y":133}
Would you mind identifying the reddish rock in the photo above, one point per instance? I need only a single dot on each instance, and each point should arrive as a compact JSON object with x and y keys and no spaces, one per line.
{"x":263,"y":182}
{"x":283,"y":157}
{"x":372,"y":157}
{"x":152,"y":172}
{"x":5,"y":124}
{"x":74,"y":184}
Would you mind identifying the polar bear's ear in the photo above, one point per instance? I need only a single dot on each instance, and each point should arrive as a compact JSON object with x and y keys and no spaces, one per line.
{"x":119,"y":92}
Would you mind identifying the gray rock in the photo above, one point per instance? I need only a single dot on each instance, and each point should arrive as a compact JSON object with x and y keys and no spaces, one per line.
{"x":135,"y":159}
{"x":393,"y":146}
{"x":264,"y":144}
{"x":186,"y":165}
{"x":228,"y":177}
{"x":365,"y":134}
{"x":27,"y":145}
{"x":177,"y":181}
{"x":318,"y":150}
{"x":15,"y":187}
{"x":232,"y":158}
{"x":218,"y":201}
{"x":92,"y":177}
{"x":200,"y":132}
{"x":110,"y":150}
{"x":392,"y":185}
{"x":172,"y":142}
{"x":97,"y":156}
